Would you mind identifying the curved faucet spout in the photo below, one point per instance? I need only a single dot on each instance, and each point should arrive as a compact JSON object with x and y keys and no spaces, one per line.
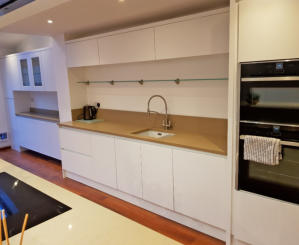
{"x":166,"y":123}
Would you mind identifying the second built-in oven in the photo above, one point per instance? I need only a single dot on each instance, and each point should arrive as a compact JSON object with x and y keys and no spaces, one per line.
{"x":269,"y":107}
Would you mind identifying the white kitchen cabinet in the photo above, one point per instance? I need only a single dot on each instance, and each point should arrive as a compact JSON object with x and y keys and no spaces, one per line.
{"x":263,"y":220}
{"x":128,"y":162}
{"x":200,"y":186}
{"x":39,"y":135}
{"x":75,"y":140}
{"x":206,"y":35}
{"x":157,"y":174}
{"x":32,"y":71}
{"x":82,"y":53}
{"x":79,"y":164}
{"x":126,"y":47}
{"x":14,"y":131}
{"x":10,"y":75}
{"x":103,"y":153}
{"x":268,"y":31}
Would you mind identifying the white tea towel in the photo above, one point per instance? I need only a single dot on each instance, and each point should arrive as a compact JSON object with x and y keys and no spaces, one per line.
{"x":262,"y":150}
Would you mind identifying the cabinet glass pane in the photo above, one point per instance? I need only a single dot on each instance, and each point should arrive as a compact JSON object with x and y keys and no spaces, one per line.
{"x":36,"y":71}
{"x":24,"y":71}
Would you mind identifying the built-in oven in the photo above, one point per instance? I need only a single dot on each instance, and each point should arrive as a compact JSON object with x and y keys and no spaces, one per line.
{"x":269,"y":107}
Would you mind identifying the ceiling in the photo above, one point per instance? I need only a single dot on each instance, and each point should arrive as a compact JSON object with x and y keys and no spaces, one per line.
{"x":78,"y":18}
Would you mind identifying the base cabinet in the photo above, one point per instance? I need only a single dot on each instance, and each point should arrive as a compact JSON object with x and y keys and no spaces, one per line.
{"x":157,"y":179}
{"x":200,"y":186}
{"x":38,"y":135}
{"x":174,"y":181}
{"x":128,"y":165}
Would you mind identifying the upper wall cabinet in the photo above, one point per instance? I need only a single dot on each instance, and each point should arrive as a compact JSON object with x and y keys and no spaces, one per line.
{"x":127,"y":47}
{"x":35,"y":71}
{"x":83,"y":53}
{"x":268,"y":31}
{"x":206,"y":35}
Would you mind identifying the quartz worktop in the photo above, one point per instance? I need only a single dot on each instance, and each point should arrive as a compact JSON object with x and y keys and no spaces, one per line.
{"x":86,"y":223}
{"x":206,"y":142}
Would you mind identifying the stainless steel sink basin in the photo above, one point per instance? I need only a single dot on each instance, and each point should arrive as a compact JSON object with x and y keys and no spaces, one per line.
{"x":154,"y":134}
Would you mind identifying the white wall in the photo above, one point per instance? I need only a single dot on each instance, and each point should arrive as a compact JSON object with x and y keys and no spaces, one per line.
{"x":33,"y":42}
{"x":44,"y":100}
{"x":3,"y":114}
{"x":201,"y":98}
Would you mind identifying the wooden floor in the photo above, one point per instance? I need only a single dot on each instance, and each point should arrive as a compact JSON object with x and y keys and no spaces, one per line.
{"x":50,"y":170}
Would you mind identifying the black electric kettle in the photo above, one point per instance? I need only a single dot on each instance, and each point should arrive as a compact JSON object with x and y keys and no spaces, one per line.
{"x":90,"y":112}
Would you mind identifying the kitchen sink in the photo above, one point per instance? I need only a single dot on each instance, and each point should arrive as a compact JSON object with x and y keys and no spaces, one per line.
{"x":153,"y":134}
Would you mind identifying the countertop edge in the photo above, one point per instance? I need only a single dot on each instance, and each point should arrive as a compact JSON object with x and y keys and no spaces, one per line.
{"x":38,"y":117}
{"x":220,"y":152}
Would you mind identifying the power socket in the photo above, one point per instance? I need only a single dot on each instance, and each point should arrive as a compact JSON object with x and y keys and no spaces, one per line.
{"x":3,"y":136}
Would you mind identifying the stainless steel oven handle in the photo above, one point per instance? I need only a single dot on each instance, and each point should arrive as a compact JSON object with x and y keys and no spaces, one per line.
{"x":269,"y":79}
{"x":270,"y":123}
{"x":286,"y":143}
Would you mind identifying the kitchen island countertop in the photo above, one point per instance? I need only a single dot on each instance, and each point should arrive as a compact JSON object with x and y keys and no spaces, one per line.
{"x":87,"y":222}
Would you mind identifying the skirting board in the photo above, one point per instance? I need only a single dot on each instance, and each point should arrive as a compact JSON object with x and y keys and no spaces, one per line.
{"x":179,"y":218}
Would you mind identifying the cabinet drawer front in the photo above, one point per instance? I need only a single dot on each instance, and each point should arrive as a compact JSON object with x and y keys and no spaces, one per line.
{"x":200,"y":182}
{"x":78,"y":164}
{"x":75,"y":140}
{"x":157,"y":177}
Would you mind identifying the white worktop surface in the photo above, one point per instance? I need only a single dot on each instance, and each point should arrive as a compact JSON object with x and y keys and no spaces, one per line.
{"x":87,"y":223}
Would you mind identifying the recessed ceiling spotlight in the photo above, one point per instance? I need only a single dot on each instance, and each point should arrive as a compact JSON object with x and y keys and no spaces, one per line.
{"x":121,"y":1}
{"x":50,"y":21}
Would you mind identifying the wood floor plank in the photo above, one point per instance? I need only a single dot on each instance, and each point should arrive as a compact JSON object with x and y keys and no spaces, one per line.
{"x":50,"y":169}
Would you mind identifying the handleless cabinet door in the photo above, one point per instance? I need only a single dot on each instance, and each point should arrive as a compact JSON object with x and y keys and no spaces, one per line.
{"x":127,"y":47}
{"x":205,"y":35}
{"x":82,"y":53}
{"x":200,"y":181}
{"x":157,"y":175}
{"x":268,"y":30}
{"x":128,"y":161}
{"x":103,"y":153}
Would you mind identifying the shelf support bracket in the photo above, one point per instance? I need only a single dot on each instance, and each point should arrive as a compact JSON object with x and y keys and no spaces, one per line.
{"x":177,"y":81}
{"x":141,"y":82}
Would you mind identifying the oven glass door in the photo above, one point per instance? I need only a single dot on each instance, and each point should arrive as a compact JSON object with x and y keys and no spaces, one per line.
{"x":270,"y":101}
{"x":281,"y":181}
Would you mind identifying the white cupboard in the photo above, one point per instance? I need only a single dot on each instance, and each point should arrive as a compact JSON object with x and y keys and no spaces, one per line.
{"x":127,"y":47}
{"x":32,"y":68}
{"x":39,"y":135}
{"x":157,"y":175}
{"x":75,"y":140}
{"x":185,"y":185}
{"x":83,"y":53}
{"x":200,"y":186}
{"x":128,"y":165}
{"x":207,"y":35}
{"x":268,"y":31}
{"x":103,"y":154}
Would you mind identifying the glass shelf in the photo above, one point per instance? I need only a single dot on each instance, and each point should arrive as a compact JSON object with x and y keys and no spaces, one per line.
{"x":177,"y":81}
